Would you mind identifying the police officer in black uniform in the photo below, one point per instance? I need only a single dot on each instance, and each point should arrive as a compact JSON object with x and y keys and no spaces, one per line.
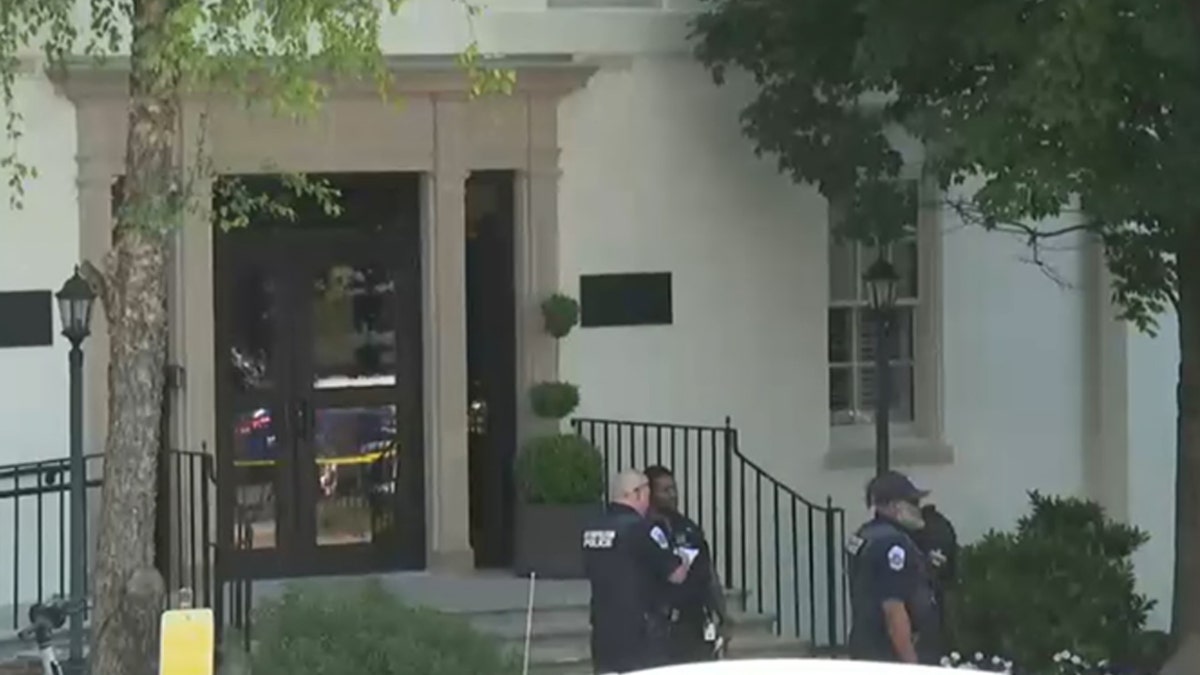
{"x":698,"y":613}
{"x":939,"y":542}
{"x":631,"y":565}
{"x":895,"y":616}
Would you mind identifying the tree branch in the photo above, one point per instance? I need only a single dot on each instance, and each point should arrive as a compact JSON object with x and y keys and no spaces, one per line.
{"x":97,"y":280}
{"x":1033,"y":235}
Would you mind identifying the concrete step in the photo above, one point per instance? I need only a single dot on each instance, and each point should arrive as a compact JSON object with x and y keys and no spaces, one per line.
{"x":575,"y":659}
{"x":575,"y":626}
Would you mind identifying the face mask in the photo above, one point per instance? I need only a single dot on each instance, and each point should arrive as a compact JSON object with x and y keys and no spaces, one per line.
{"x":909,"y":515}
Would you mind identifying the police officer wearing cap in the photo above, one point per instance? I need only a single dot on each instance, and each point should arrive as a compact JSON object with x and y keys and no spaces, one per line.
{"x":631,"y":565}
{"x":700,"y":624}
{"x":895,"y":617}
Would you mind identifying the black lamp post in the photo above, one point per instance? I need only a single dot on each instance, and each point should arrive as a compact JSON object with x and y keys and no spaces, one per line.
{"x":75,"y":302}
{"x":881,"y":282}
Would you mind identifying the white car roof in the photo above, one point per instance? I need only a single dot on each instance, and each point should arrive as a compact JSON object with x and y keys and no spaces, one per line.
{"x":794,"y":667}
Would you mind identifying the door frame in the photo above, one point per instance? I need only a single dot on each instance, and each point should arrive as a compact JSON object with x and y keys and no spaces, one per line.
{"x":295,"y":256}
{"x":440,"y":131}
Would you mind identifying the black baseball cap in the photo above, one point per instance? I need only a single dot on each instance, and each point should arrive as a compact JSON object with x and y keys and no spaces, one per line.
{"x":893,"y":486}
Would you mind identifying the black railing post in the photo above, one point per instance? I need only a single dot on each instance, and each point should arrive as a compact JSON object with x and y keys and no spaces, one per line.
{"x":727,"y":554}
{"x":831,"y":584}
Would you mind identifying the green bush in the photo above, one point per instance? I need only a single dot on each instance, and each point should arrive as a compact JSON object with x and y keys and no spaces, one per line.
{"x":553,"y":400}
{"x":367,"y":631}
{"x":1063,"y":580}
{"x":560,"y":469}
{"x":560,"y":313}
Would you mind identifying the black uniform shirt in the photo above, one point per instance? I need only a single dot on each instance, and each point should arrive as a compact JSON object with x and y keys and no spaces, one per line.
{"x":693,"y":596}
{"x":886,"y":564}
{"x":628,"y":560}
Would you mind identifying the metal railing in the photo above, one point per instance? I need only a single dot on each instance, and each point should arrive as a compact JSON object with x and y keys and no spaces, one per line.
{"x":35,"y":526}
{"x":35,"y":554}
{"x":779,"y":549}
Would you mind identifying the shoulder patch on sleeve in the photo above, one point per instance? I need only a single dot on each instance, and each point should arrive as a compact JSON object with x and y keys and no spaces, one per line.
{"x":896,"y":557}
{"x":854,"y":544}
{"x":659,"y":537}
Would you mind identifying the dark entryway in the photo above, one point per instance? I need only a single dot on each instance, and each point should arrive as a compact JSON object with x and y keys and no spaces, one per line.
{"x":491,"y":364}
{"x":319,"y":381}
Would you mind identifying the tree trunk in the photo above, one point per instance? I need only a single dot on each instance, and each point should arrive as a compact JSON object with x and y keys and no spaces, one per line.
{"x":127,"y":604}
{"x":1185,"y":616}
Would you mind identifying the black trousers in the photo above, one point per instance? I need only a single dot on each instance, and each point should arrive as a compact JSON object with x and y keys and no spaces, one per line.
{"x":687,"y":644}
{"x":631,"y":648}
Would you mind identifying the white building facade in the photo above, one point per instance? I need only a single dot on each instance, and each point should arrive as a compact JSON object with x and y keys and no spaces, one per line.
{"x":627,"y":159}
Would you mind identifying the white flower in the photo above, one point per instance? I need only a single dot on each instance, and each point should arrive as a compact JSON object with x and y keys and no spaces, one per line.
{"x":956,"y":656}
{"x":946,"y":662}
{"x":1076,"y":660}
{"x":997,"y":660}
{"x":978,"y":656}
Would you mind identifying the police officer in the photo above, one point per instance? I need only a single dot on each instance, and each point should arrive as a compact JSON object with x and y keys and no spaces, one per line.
{"x":698,"y":613}
{"x":939,"y":542}
{"x":891,"y":584}
{"x":631,"y":565}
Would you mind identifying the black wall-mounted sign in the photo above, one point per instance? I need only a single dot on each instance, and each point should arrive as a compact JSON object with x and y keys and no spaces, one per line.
{"x":641,"y":299}
{"x":26,"y":319}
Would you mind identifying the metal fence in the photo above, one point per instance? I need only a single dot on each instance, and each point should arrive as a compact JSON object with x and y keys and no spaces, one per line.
{"x":781,"y":550}
{"x":35,"y":529}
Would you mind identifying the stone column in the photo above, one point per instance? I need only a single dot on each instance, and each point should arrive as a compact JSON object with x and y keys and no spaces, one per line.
{"x":537,"y":259}
{"x":193,"y":325}
{"x":446,"y":342}
{"x":1106,"y":391}
{"x":95,"y":239}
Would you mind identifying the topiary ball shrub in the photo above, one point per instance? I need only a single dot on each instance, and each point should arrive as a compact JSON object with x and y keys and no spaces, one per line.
{"x":560,"y":469}
{"x":1063,"y":579}
{"x":367,"y":631}
{"x":553,"y":400}
{"x":560,"y":313}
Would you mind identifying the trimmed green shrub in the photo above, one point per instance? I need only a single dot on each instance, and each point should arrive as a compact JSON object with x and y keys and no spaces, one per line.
{"x":560,"y":469}
{"x":553,"y":400}
{"x":1063,"y":580}
{"x":367,"y":631}
{"x":560,"y":313}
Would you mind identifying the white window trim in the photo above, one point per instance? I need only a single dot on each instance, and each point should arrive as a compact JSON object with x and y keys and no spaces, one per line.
{"x":921,"y":442}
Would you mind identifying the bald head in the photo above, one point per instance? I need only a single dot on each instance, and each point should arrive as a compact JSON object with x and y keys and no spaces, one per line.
{"x":631,"y":488}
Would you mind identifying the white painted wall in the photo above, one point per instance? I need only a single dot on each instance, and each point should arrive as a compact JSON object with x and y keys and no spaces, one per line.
{"x":1153,"y":372}
{"x":666,"y":182}
{"x":38,"y":247}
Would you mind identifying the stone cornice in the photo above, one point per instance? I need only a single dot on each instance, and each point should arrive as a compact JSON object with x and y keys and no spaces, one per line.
{"x":86,"y":80}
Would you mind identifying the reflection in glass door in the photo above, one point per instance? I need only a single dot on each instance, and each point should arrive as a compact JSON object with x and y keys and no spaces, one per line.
{"x":319,"y":398}
{"x":353,"y":359}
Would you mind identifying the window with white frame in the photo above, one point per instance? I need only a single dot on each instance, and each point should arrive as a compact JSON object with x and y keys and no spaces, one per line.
{"x":852,"y":377}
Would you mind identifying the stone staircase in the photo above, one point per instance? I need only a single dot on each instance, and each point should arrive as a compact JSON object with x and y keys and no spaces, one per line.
{"x":495,"y":604}
{"x":560,"y":639}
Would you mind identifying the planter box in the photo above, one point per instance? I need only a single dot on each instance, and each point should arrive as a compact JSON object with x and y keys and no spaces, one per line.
{"x":549,"y":538}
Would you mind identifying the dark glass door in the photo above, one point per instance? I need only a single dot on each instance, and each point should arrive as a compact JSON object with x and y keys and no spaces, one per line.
{"x":319,"y":342}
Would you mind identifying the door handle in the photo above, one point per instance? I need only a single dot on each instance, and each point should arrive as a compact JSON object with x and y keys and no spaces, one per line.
{"x":477,"y":417}
{"x":304,"y":422}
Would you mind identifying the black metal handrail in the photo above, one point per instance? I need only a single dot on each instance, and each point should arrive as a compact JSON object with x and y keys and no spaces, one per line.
{"x":35,"y":523}
{"x":797,"y":573}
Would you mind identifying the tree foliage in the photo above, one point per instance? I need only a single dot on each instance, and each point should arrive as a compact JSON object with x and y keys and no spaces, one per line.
{"x":1030,"y":110}
{"x":1056,"y":106}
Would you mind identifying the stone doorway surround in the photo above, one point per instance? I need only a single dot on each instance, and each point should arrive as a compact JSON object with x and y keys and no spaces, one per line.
{"x":433,"y":128}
